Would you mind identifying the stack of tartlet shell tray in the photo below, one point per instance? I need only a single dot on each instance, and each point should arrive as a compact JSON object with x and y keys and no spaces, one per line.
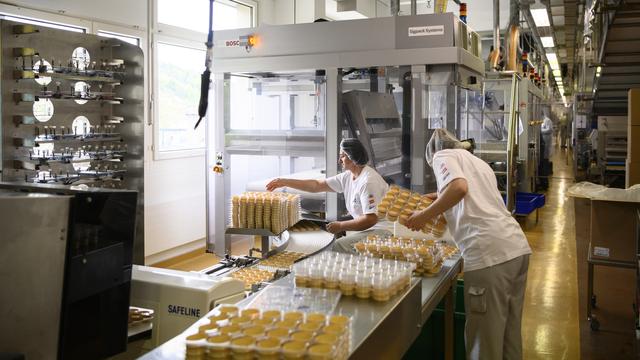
{"x":138,"y":315}
{"x":305,"y":226}
{"x":274,"y":212}
{"x":398,"y":204}
{"x":427,"y":254}
{"x":232,"y":333}
{"x":251,"y":276}
{"x":359,"y":276}
{"x":283,"y":260}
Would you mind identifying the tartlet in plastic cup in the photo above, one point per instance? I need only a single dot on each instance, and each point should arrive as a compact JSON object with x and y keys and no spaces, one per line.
{"x":316,"y":317}
{"x":320,"y":352}
{"x":294,"y":350}
{"x":268,"y":348}
{"x":303,"y":336}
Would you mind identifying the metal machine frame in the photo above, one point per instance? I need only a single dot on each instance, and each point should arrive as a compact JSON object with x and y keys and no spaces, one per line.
{"x":433,"y":49}
{"x":529,"y":139}
{"x":499,"y":148}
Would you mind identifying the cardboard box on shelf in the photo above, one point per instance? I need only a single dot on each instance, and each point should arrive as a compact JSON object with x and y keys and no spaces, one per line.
{"x":634,"y":107}
{"x":613,"y":230}
{"x":633,"y":143}
{"x":632,"y":173}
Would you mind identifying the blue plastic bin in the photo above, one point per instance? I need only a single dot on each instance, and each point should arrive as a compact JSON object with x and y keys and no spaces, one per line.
{"x":526,"y":203}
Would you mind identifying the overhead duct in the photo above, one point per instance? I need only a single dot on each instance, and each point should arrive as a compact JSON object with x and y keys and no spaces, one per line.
{"x":494,"y":56}
{"x":512,"y":45}
{"x":512,"y":40}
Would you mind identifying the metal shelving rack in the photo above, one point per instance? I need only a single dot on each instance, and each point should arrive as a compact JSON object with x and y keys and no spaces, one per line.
{"x":72,"y":111}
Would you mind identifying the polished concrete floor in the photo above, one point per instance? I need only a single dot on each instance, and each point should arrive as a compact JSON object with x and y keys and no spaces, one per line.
{"x":552,"y":325}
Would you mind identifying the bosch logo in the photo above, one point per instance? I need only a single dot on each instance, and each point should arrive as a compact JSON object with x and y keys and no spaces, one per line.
{"x":229,"y":43}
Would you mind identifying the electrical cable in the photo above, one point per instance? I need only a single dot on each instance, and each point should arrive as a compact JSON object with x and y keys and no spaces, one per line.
{"x":205,"y":78}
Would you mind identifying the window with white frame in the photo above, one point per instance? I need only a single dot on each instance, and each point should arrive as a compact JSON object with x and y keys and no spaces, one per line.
{"x":179,"y":61}
{"x":194,"y":14}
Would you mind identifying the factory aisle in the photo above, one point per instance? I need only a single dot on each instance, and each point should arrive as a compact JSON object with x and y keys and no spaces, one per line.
{"x":550,"y":326}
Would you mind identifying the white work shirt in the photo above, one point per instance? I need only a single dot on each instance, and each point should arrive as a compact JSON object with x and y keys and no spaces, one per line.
{"x":480,"y":223}
{"x":362,"y":194}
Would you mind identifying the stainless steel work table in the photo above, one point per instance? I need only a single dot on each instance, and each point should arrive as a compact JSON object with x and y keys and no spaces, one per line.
{"x":380,"y":330}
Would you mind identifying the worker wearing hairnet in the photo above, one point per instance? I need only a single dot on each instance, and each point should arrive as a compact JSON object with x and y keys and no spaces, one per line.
{"x":547,"y":132}
{"x":363,"y":189}
{"x":545,"y":167}
{"x":494,"y":248}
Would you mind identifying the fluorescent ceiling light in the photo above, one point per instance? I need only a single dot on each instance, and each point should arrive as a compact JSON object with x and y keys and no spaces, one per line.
{"x":547,"y":41}
{"x":557,"y":73}
{"x":553,"y":61}
{"x":540,"y":15}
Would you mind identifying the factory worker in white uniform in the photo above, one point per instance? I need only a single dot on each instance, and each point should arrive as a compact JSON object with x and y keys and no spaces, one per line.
{"x":363,"y":188}
{"x":547,"y":133}
{"x":494,"y":248}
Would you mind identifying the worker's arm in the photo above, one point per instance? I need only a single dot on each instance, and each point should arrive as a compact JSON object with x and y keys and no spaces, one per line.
{"x":360,"y":223}
{"x":453,"y":193}
{"x":312,"y":186}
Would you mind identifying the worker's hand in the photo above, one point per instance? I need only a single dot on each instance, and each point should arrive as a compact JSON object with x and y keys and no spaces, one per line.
{"x":275,"y":183}
{"x":417,"y":220}
{"x":334,"y":227}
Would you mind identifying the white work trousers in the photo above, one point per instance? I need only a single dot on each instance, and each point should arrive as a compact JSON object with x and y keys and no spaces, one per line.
{"x":493,"y":299}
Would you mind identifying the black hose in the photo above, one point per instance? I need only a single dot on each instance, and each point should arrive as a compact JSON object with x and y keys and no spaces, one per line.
{"x":205,"y":78}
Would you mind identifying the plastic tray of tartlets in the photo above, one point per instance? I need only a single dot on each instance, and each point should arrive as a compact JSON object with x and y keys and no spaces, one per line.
{"x":139,"y":315}
{"x":305,"y":226}
{"x":353,"y":275}
{"x":427,"y":254}
{"x":252,"y":276}
{"x":252,"y":333}
{"x":274,"y":212}
{"x":283,"y":260}
{"x":398,"y":205}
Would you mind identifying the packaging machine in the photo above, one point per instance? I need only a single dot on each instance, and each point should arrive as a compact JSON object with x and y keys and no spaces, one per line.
{"x":67,"y":257}
{"x":286,"y":95}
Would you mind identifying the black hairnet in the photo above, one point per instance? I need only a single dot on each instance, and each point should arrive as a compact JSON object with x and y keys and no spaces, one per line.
{"x":355,"y":151}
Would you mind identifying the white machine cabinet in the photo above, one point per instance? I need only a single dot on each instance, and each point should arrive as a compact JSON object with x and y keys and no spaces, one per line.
{"x":179,"y":298}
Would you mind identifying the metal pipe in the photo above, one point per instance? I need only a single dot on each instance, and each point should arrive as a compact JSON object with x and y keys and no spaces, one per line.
{"x":395,"y":7}
{"x":414,"y":7}
{"x":512,"y":44}
{"x":496,"y":25}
